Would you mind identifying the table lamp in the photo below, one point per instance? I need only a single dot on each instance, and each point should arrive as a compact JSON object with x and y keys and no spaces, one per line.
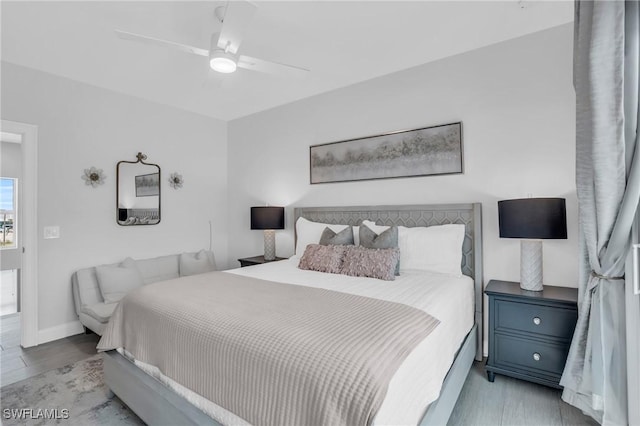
{"x":268,"y":219}
{"x":532,"y":220}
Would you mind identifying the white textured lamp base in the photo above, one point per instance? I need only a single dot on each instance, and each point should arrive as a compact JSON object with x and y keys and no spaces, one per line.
{"x":269,"y":244}
{"x":531,"y":265}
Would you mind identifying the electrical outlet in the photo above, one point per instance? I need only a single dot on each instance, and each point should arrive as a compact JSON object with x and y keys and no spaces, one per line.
{"x":51,"y":232}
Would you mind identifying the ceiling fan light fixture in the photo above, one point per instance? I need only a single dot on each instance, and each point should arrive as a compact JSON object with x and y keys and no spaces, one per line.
{"x":223,"y":62}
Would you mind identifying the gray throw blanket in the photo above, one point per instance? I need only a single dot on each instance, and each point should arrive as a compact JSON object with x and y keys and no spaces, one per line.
{"x":271,"y":353}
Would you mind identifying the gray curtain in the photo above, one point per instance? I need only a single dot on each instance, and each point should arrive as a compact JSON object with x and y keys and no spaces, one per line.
{"x":608,"y":183}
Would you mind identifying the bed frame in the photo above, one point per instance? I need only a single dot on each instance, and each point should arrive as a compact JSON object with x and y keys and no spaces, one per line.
{"x":156,"y":404}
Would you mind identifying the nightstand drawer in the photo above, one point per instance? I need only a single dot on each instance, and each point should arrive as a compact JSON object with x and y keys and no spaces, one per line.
{"x":542,"y":357}
{"x":547,"y":321}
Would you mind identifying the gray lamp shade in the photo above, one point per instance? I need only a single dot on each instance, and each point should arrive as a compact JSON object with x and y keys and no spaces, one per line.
{"x":267,"y":217}
{"x":533,"y":218}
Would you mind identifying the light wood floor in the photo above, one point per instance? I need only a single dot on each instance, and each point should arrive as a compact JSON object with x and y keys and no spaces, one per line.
{"x":18,"y":364}
{"x":507,"y":401}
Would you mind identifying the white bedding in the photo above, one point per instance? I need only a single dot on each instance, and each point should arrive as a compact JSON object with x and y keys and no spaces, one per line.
{"x":417,"y":382}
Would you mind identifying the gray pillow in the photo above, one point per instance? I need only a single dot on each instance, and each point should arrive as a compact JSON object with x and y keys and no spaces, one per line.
{"x":115,"y":281}
{"x":373,"y":263}
{"x":384,"y":240}
{"x":330,"y":237}
{"x":159,"y":268}
{"x":196,"y":263}
{"x":323,"y":258}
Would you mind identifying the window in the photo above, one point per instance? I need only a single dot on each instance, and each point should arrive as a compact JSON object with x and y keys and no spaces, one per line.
{"x":8,"y":208}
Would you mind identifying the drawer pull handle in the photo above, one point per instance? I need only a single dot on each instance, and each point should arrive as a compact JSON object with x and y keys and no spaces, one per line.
{"x":537,"y":320}
{"x":536,"y":356}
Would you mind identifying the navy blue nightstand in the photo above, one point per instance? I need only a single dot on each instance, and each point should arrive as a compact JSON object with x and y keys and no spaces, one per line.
{"x":530,"y":332}
{"x":257,"y":260}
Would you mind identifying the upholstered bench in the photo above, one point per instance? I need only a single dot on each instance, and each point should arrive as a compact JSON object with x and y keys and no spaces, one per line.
{"x":97,"y":290}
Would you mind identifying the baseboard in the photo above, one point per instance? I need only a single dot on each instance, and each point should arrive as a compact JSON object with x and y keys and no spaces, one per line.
{"x":60,"y":331}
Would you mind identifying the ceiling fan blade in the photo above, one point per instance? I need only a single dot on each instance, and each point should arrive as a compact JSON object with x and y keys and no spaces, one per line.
{"x":237,"y":16}
{"x":255,"y":64}
{"x":125,"y":35}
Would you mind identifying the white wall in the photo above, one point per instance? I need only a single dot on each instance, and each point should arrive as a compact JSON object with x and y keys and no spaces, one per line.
{"x":80,"y":126}
{"x":516,"y":102}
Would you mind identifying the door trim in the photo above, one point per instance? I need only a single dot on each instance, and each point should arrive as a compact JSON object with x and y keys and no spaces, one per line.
{"x":28,"y":190}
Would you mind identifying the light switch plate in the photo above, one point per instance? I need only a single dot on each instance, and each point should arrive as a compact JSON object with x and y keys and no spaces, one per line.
{"x":51,"y":232}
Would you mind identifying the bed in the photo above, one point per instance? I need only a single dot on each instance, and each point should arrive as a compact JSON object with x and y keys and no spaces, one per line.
{"x":157,"y":400}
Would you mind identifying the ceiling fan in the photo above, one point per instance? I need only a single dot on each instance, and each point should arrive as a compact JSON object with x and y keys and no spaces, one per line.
{"x":223,"y":53}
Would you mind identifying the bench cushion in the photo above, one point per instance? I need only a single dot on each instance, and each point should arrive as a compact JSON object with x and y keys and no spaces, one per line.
{"x":158,"y":268}
{"x":85,"y":288}
{"x":90,"y":305}
{"x":100,"y":311}
{"x":116,"y":281}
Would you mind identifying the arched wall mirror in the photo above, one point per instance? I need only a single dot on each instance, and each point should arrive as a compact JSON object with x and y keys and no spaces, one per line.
{"x":138,"y":192}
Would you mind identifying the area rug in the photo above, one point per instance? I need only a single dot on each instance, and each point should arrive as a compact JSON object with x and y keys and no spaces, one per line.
{"x":71,"y":395}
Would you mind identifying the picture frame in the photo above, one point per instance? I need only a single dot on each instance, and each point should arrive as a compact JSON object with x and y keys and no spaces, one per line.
{"x":427,"y":151}
{"x":148,"y":185}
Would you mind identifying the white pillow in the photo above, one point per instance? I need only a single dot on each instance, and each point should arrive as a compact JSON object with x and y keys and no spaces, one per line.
{"x":431,"y":248}
{"x":197,"y":263}
{"x":115,"y":281}
{"x":310,"y":232}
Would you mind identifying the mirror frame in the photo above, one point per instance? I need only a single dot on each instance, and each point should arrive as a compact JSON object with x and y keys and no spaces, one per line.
{"x":140,"y":159}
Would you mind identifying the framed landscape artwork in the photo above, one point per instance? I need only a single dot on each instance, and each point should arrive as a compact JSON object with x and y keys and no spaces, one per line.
{"x":148,"y":185}
{"x":427,"y":151}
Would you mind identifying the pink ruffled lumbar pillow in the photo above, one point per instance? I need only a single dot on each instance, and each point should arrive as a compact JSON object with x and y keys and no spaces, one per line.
{"x":321,"y":258}
{"x":373,"y":263}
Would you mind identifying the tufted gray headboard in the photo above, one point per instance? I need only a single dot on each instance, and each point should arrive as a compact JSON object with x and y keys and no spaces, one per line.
{"x":470,"y":215}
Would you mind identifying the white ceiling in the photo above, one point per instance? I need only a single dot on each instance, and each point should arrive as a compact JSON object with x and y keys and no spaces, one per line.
{"x":341,"y":42}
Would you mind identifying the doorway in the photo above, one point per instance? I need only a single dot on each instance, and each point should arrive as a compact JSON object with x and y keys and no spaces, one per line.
{"x":18,"y":233}
{"x":10,"y":256}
